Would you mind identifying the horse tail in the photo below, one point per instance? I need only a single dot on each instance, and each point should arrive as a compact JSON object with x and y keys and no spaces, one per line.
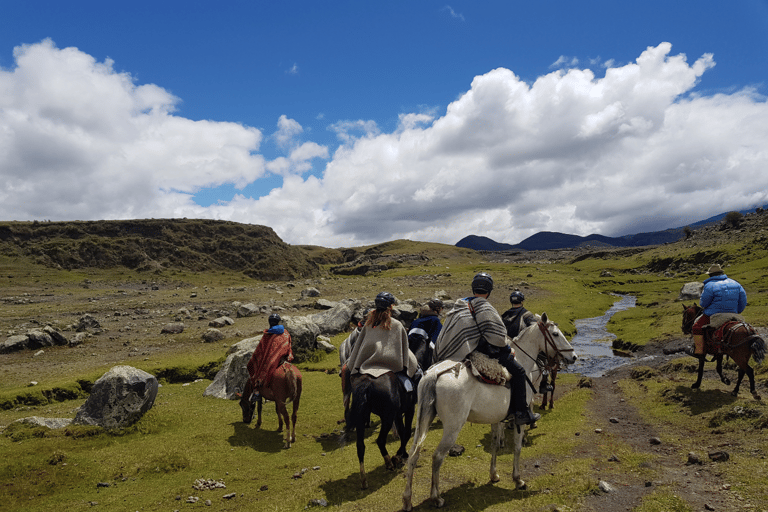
{"x":758,"y":349}
{"x":427,"y":392}
{"x":293,"y":382}
{"x":361,"y":407}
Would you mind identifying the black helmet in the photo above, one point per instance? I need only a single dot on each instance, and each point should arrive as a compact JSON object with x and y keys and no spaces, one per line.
{"x":274,"y":319}
{"x":516,"y":297}
{"x":482,"y":283}
{"x":384,"y":300}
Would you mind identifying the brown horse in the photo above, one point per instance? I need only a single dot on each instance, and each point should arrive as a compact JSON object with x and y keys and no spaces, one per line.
{"x":285,"y":387}
{"x":739,"y":342}
{"x":552,"y":366}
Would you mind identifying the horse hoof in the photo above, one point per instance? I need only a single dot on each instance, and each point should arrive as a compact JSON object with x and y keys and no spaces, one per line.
{"x":439,"y":503}
{"x":727,"y":382}
{"x":756,"y":396}
{"x":735,"y":393}
{"x":695,"y":386}
{"x":521,"y":486}
{"x":495,"y":478}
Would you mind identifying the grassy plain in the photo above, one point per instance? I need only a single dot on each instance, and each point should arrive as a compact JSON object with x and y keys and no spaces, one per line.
{"x":154,"y":464}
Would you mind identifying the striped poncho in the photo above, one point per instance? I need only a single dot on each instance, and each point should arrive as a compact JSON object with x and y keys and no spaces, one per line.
{"x":462,"y":331}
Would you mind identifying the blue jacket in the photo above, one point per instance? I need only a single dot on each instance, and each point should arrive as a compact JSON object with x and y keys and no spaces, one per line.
{"x":430,"y":323}
{"x":722,"y":295}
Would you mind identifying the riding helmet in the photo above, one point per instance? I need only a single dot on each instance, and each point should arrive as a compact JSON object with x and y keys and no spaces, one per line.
{"x":274,"y":319}
{"x":516,"y":297}
{"x":482,"y":283}
{"x":384,"y":300}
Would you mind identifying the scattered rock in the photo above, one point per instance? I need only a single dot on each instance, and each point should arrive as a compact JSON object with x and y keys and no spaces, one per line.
{"x":173,"y":328}
{"x":317,"y":503}
{"x":229,"y":496}
{"x":220,"y":322}
{"x":585,"y":382}
{"x":202,"y":484}
{"x":655,"y":440}
{"x":310,"y":292}
{"x":605,"y":486}
{"x":456,"y":450}
{"x":719,"y":456}
{"x":119,"y":398}
{"x":613,"y":420}
{"x":691,"y":291}
{"x":693,"y":458}
{"x":212,"y":335}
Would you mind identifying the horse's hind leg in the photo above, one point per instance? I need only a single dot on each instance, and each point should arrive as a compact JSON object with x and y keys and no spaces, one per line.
{"x":725,"y":380}
{"x":450,"y":434}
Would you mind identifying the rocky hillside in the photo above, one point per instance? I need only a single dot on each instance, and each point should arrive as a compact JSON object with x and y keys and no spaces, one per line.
{"x":156,"y":244}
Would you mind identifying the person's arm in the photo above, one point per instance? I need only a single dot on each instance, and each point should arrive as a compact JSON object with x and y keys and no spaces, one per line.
{"x":742,"y":299}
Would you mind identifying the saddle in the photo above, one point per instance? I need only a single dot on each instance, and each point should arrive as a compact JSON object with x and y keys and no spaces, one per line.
{"x":486,"y":369}
{"x":719,"y":333}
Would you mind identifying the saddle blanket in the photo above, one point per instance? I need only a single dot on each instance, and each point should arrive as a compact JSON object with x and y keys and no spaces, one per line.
{"x":487,"y":369}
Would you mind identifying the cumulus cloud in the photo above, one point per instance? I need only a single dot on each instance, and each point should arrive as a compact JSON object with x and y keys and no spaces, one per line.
{"x":79,"y":140}
{"x":631,"y":151}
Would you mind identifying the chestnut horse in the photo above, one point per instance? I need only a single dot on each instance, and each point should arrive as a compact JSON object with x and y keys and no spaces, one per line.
{"x":739,"y":342}
{"x":285,"y":387}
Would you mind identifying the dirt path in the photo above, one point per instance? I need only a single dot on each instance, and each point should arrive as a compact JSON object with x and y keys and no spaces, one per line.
{"x":618,"y":422}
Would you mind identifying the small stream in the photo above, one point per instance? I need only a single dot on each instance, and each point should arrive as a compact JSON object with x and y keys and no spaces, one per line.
{"x":593,"y":342}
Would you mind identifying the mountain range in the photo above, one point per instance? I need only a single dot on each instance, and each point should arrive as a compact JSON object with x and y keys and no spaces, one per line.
{"x":548,"y":240}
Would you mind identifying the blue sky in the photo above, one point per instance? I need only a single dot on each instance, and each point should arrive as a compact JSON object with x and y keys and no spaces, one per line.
{"x":350,"y":123}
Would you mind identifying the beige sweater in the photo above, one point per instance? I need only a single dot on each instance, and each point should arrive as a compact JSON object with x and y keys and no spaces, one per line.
{"x":378,"y":351}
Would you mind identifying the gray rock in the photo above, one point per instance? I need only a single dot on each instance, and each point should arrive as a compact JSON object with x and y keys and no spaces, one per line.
{"x":324,"y":343}
{"x":173,"y":328}
{"x":119,"y":398}
{"x":229,"y":381}
{"x":693,"y":458}
{"x":310,"y":292}
{"x":52,"y":423}
{"x":605,"y":486}
{"x":245,"y":310}
{"x":39,"y":339}
{"x":325,"y":304}
{"x":246,"y":344}
{"x":212,"y":335}
{"x":88,"y":324}
{"x":14,"y":344}
{"x":691,"y":291}
{"x":220,"y":322}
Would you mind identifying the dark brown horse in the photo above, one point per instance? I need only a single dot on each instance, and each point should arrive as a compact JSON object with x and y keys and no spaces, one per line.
{"x":739,"y":341}
{"x":386,"y":397}
{"x":285,"y":387}
{"x":552,"y":366}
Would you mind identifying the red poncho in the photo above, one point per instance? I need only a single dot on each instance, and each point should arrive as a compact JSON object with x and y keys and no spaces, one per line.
{"x":266,"y":358}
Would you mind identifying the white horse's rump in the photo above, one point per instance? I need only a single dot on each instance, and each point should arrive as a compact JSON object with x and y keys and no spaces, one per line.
{"x":449,"y":391}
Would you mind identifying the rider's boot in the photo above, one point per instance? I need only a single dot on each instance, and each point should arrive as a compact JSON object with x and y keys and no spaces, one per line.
{"x":697,"y":349}
{"x":518,"y":406}
{"x":544,"y":386}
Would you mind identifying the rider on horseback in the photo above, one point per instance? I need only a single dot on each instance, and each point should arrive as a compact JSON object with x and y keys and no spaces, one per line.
{"x":382,"y":344}
{"x":273,"y":350}
{"x":474,"y":324}
{"x":518,"y":318}
{"x":720,"y":295}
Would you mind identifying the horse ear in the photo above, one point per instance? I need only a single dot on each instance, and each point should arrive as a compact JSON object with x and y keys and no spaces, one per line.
{"x":544,"y":318}
{"x":685,"y":307}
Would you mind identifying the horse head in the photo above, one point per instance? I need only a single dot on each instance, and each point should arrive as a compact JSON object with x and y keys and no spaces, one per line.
{"x":689,"y":316}
{"x":556,"y":345}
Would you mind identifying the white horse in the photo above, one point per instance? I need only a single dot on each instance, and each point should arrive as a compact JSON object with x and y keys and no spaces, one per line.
{"x":449,"y":391}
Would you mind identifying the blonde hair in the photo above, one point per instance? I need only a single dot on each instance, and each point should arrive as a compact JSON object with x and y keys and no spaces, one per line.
{"x":380,"y":318}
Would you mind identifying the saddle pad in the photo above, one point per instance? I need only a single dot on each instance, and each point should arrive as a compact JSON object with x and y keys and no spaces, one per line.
{"x":487,"y":369}
{"x":718,"y":319}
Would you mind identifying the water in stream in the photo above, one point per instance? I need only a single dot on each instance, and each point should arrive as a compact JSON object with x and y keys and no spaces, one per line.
{"x":593,"y":342}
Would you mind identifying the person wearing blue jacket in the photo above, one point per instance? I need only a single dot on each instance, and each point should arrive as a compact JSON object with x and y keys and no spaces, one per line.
{"x":721,"y":294}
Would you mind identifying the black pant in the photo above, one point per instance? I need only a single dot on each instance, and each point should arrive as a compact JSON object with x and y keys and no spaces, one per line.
{"x":518,"y":403}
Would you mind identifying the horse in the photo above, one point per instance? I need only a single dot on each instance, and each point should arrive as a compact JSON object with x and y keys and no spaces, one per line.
{"x":386,"y":397}
{"x":550,"y":366}
{"x":285,"y":387}
{"x":421,"y":346}
{"x":739,"y":342}
{"x":450,"y":391}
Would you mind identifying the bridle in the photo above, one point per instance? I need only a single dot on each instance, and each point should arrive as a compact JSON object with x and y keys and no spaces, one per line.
{"x":549,"y":341}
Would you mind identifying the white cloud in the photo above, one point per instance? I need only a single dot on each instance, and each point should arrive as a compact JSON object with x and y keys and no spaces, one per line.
{"x":453,"y":13}
{"x":629,"y":152}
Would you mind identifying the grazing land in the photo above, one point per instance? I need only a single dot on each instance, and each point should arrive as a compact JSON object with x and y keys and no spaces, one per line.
{"x":637,"y":439}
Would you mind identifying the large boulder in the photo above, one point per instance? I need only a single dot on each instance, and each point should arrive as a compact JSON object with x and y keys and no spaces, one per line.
{"x":229,"y":381}
{"x":119,"y":398}
{"x":691,"y":291}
